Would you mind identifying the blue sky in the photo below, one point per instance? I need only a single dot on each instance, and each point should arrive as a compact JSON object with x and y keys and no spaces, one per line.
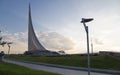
{"x":62,"y":17}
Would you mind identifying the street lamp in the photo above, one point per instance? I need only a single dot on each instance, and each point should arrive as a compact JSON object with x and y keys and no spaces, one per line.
{"x":9,"y":47}
{"x":87,"y":34}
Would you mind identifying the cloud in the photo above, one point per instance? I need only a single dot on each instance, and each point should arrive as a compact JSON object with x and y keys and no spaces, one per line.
{"x":19,"y":41}
{"x":15,"y":37}
{"x":50,"y":40}
{"x":55,"y":41}
{"x":97,"y":41}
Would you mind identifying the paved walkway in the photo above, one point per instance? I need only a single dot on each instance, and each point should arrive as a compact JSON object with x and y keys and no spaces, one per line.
{"x":61,"y":71}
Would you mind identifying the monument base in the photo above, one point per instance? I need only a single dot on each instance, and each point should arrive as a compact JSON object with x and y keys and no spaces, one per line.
{"x":41,"y":53}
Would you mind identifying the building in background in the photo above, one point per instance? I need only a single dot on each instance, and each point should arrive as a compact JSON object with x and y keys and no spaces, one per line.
{"x":109,"y":53}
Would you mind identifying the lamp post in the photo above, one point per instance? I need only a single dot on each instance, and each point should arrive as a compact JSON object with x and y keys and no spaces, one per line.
{"x":9,"y":47}
{"x":87,"y":34}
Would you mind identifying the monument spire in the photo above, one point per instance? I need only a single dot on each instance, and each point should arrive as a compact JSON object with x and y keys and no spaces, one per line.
{"x":33,"y":42}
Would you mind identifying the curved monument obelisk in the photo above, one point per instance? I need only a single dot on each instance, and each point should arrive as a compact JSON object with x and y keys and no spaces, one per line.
{"x":33,"y":42}
{"x":34,"y":46}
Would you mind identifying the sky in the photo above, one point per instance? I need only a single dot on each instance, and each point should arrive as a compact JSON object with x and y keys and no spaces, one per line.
{"x":57,"y":24}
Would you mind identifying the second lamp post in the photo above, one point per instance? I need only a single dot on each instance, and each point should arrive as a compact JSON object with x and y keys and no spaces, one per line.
{"x":87,"y":34}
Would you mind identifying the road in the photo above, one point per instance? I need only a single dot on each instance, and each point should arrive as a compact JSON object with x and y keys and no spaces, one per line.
{"x":61,"y":71}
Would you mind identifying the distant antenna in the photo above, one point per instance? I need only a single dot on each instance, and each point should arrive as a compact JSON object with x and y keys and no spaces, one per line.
{"x":91,"y":46}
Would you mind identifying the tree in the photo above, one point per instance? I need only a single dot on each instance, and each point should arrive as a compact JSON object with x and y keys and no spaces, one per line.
{"x":4,"y":42}
{"x":61,"y":51}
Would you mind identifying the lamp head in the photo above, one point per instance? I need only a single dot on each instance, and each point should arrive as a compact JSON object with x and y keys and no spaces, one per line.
{"x":86,"y":20}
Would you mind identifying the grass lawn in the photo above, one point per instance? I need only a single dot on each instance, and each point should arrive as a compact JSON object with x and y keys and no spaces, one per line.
{"x":12,"y":69}
{"x":99,"y":62}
